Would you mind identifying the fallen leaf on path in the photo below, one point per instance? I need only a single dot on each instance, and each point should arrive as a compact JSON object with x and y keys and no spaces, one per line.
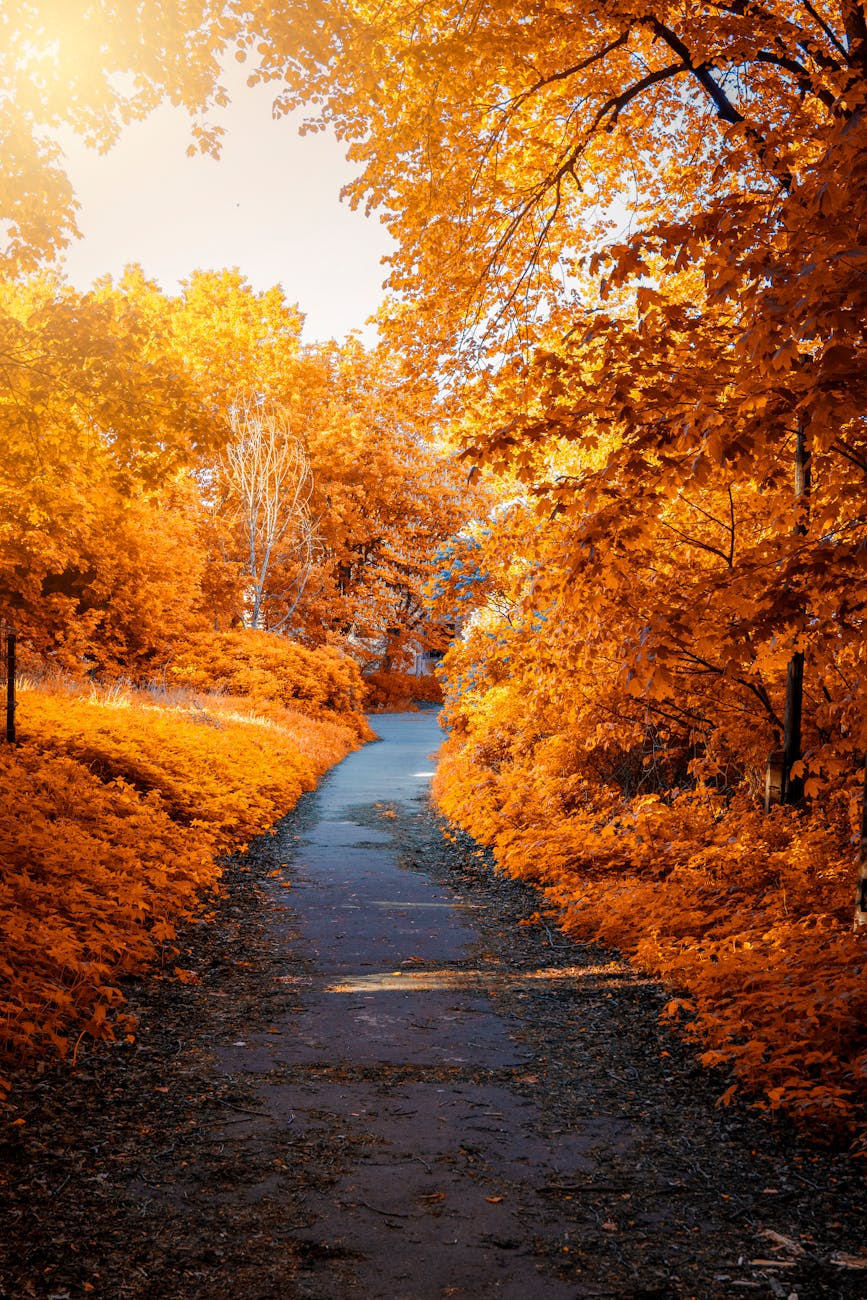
{"x":782,"y":1242}
{"x":493,"y":1200}
{"x":842,"y":1260}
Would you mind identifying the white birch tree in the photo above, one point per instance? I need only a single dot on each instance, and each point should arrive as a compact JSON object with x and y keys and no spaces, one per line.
{"x":269,"y":483}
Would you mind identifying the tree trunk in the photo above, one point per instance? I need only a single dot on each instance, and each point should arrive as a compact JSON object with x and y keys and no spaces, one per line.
{"x":792,"y":788}
{"x":861,"y":886}
{"x":10,"y":688}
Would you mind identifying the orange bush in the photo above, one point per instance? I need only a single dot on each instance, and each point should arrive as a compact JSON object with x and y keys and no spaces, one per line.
{"x":268,"y":669}
{"x":746,"y":916}
{"x":392,"y":692}
{"x":115,"y":812}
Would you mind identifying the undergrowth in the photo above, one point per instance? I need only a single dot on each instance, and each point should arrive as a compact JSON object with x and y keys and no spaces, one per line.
{"x":117,"y":809}
{"x":746,"y":917}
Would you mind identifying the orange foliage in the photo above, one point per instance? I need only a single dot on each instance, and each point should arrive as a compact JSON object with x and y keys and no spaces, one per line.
{"x":120,"y":532}
{"x":629,"y":258}
{"x":116,"y":809}
{"x":397,"y":692}
{"x":748,"y":915}
{"x":268,"y":670}
{"x":642,"y":396}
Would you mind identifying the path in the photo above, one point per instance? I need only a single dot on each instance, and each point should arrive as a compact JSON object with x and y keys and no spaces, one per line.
{"x":386,"y":1087}
{"x":401,"y":1026}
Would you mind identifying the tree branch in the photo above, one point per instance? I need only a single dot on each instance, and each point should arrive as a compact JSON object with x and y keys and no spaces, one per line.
{"x":619,"y":102}
{"x":701,"y":71}
{"x":693,"y":541}
{"x":565,"y":73}
{"x":843,"y":449}
{"x":826,"y":28}
{"x":759,"y":691}
{"x":801,"y":74}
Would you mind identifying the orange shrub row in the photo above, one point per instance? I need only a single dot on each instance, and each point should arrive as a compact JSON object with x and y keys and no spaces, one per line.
{"x":270,"y":670}
{"x":392,"y":692}
{"x":747,"y":916}
{"x":116,"y":810}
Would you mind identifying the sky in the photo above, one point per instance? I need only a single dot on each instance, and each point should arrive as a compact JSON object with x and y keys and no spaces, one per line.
{"x":270,"y":206}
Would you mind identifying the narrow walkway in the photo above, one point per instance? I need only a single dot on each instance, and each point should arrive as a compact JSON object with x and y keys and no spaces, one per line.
{"x":422,"y":1210}
{"x":421,"y":1044}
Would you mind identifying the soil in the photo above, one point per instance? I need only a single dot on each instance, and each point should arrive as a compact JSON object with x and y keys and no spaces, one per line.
{"x":481,"y":1108}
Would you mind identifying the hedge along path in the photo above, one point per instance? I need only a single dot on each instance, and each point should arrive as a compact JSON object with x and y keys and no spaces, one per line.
{"x":116,"y":811}
{"x":748,"y":916}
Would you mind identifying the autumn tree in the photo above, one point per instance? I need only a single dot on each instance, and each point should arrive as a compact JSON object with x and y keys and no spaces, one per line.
{"x":100,"y":560}
{"x":386,"y":499}
{"x":267,"y":484}
{"x":382,"y":497}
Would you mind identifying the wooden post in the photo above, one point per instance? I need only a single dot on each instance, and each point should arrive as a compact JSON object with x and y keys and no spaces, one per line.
{"x":10,"y":687}
{"x":774,"y":779}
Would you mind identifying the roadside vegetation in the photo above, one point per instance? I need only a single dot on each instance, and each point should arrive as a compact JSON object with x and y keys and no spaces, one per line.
{"x":119,"y":804}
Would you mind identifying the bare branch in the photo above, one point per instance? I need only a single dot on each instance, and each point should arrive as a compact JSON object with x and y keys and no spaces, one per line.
{"x":270,"y":482}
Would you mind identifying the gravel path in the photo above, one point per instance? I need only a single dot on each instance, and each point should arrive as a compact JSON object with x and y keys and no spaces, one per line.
{"x":387,"y":1083}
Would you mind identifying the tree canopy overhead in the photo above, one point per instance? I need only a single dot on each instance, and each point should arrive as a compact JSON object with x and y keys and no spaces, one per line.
{"x":497,"y":137}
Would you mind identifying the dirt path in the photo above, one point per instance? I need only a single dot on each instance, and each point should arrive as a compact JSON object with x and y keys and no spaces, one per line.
{"x":385,"y":1085}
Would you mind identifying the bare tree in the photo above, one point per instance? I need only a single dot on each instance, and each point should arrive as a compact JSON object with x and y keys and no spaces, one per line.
{"x":270,"y":484}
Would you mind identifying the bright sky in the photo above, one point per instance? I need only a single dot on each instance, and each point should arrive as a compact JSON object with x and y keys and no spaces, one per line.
{"x":270,"y":207}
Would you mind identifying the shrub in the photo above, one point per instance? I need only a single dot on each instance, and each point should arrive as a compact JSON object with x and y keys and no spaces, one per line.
{"x":116,"y":811}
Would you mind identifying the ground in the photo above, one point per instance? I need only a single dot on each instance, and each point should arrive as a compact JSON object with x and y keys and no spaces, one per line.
{"x":410,"y":1093}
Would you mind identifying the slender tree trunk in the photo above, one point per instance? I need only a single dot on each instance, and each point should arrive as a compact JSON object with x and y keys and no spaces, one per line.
{"x":270,"y":482}
{"x":861,"y":886}
{"x":10,"y":688}
{"x":793,"y":787}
